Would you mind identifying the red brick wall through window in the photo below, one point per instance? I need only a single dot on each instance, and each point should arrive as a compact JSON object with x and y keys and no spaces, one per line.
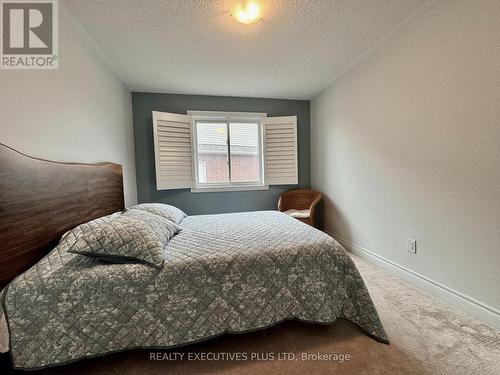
{"x":243,"y":167}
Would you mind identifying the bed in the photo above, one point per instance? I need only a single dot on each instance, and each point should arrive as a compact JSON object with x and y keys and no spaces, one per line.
{"x":225,"y":273}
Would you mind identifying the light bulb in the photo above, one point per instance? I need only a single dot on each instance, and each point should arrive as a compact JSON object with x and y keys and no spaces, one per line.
{"x":247,"y":12}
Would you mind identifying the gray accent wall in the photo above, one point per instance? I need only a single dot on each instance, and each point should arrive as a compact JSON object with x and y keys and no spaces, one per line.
{"x":210,"y":203}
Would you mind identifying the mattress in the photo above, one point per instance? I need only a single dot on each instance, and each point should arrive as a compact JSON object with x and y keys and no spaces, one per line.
{"x":222,"y":273}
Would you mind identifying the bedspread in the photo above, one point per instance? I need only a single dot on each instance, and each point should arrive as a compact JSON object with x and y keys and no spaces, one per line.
{"x":222,"y":273}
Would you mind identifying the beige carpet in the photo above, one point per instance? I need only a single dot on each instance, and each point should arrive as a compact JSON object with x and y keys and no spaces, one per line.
{"x":427,"y":337}
{"x":438,"y":337}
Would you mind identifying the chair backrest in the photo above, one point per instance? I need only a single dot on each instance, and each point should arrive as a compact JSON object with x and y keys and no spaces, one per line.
{"x":299,"y":199}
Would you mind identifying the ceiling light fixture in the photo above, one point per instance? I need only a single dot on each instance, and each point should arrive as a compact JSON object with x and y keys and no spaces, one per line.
{"x":247,"y":12}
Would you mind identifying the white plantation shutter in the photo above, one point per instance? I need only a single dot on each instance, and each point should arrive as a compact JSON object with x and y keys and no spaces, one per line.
{"x":172,"y":140}
{"x":281,"y":150}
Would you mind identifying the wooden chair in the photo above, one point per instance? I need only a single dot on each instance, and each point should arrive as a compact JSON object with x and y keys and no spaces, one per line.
{"x":300,"y":204}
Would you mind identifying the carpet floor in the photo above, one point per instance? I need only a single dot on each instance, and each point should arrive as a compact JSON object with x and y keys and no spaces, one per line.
{"x":427,"y":337}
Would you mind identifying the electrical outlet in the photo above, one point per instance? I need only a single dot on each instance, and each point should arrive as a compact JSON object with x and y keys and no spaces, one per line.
{"x":411,"y":246}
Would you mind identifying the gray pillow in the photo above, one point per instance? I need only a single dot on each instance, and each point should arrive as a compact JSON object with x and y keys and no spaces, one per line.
{"x":164,"y":210}
{"x":72,"y":235}
{"x":133,"y":237}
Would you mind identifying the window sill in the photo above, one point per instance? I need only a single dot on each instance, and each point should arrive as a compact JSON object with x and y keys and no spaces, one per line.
{"x":220,"y":189}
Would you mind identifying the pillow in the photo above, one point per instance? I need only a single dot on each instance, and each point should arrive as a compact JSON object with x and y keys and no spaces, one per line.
{"x":72,"y":235}
{"x":134,"y":236}
{"x":164,"y":210}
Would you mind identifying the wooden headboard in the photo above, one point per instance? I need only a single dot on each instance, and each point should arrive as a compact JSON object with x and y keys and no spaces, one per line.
{"x":40,"y":200}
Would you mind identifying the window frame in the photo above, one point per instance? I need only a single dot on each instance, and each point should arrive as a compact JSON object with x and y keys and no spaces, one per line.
{"x":227,"y":117}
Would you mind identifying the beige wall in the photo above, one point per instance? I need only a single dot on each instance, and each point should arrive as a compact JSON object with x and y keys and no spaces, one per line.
{"x":80,"y":112}
{"x":407,"y":145}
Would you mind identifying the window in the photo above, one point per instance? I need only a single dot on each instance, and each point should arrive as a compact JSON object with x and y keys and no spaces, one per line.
{"x":245,"y":152}
{"x":228,"y":152}
{"x":221,"y":151}
{"x":212,"y":154}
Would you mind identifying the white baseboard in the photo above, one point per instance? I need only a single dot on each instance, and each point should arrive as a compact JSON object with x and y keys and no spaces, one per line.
{"x":487,"y":314}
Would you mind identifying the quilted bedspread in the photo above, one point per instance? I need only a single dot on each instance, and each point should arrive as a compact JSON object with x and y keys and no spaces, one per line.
{"x":222,"y":273}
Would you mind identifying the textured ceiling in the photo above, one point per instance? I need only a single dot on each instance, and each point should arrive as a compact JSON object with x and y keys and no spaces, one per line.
{"x":196,"y":47}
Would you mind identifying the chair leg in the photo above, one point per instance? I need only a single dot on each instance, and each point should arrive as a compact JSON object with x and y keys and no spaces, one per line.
{"x":308,"y":221}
